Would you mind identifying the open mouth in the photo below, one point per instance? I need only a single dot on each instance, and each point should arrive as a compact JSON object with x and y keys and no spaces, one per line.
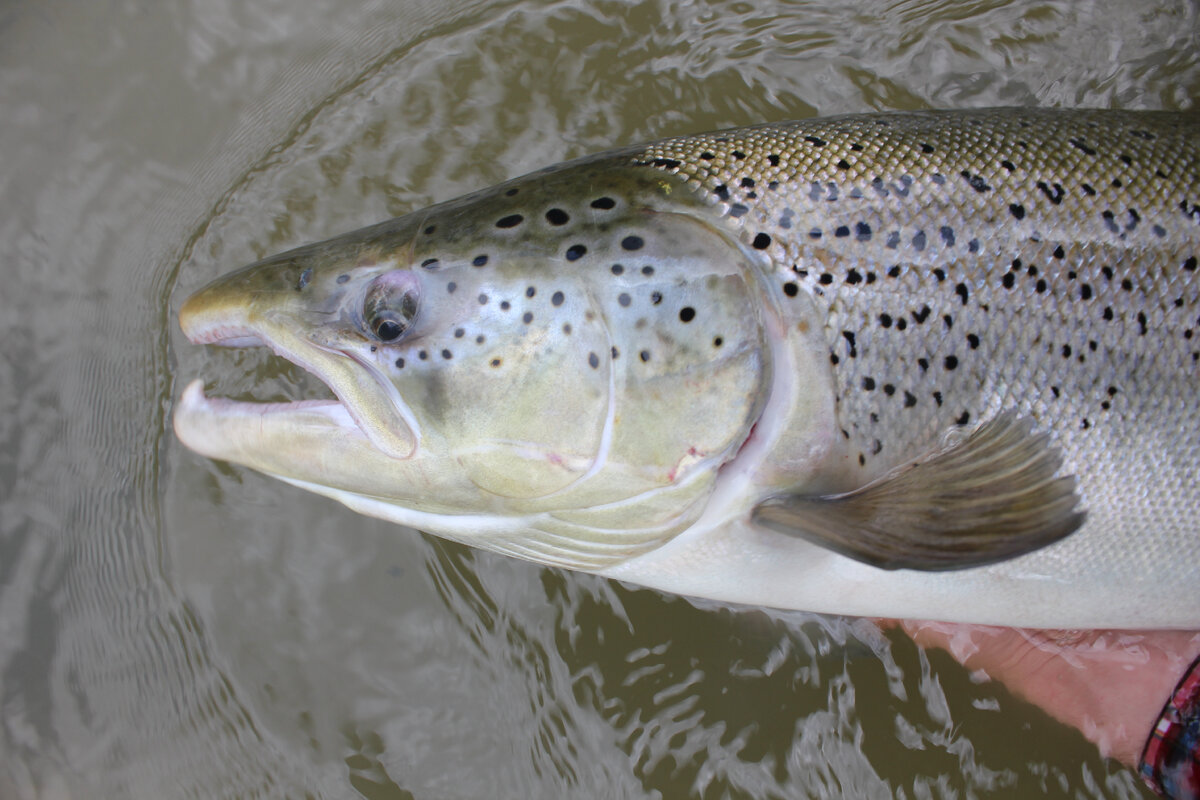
{"x":366,"y":404}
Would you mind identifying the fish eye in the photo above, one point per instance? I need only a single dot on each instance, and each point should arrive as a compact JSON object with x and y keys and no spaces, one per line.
{"x":390,"y":306}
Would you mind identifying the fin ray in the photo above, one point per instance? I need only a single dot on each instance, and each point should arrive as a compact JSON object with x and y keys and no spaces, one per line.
{"x":983,"y":498}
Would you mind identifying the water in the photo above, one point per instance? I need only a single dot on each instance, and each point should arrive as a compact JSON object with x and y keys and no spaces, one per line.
{"x":173,"y":627}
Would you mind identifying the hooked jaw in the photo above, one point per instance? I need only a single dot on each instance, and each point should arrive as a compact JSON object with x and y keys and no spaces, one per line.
{"x":368,"y":411}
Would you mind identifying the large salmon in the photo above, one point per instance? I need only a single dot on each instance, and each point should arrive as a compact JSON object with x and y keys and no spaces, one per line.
{"x":940,"y":365}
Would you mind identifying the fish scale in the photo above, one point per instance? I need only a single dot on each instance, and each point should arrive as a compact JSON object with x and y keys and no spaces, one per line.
{"x":934,"y":364}
{"x":986,"y":261}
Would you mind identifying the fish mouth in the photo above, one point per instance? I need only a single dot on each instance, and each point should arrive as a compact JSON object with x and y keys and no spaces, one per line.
{"x":368,"y":407}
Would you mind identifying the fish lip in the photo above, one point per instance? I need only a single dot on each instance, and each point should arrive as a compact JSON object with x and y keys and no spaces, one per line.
{"x":209,"y":327}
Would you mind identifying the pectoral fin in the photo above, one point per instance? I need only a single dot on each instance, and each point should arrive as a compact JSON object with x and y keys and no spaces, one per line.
{"x":986,"y":498}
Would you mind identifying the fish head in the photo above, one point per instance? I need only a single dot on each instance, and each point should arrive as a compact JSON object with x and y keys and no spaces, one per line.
{"x":556,"y":368}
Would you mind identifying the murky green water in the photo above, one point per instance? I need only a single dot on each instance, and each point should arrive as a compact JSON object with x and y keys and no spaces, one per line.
{"x":173,"y":627}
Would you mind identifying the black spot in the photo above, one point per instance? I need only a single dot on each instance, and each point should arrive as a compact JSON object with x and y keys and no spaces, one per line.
{"x":1108,"y":314}
{"x":593,"y":360}
{"x":1087,"y":189}
{"x":1040,"y":286}
{"x":556,"y":216}
{"x":825,"y":279}
{"x":773,"y":160}
{"x":423,"y":355}
{"x":603,"y":203}
{"x":430,"y":263}
{"x":1008,"y":280}
{"x":655,"y":298}
{"x":762,"y":241}
{"x":849,"y":337}
{"x":446,"y":354}
{"x":1080,"y":144}
{"x":1190,"y":264}
{"x":343,"y":278}
{"x":1141,"y":318}
{"x":505,"y":305}
{"x":687,"y":314}
{"x":707,"y":156}
{"x":737,"y":210}
{"x":894,"y":271}
{"x":451,"y":287}
{"x":951,"y":362}
{"x":399,"y":363}
{"x":624,"y":299}
{"x":790,"y":289}
{"x":1059,"y":252}
{"x":843,"y":164}
{"x":976,"y":182}
{"x":885,"y":320}
{"x":937,"y":398}
{"x":1127,"y":285}
{"x":869,"y":384}
{"x":1085,"y":292}
{"x":947,"y":234}
{"x":632,"y":243}
{"x":479,"y":261}
{"x":926,"y":148}
{"x":889,"y":389}
{"x":939,"y":273}
{"x":922,"y":315}
{"x":1017,"y":210}
{"x":909,"y":400}
{"x":530,"y":291}
{"x":918,"y":241}
{"x":852,"y":277}
{"x":1008,"y":165}
{"x":1054,"y":192}
{"x":669,"y":163}
{"x":718,"y":341}
{"x":973,"y":341}
{"x":511,"y":221}
{"x":893,"y":240}
{"x":617,"y":269}
{"x":901,"y":324}
{"x":459,"y":333}
{"x":1066,"y":351}
{"x":495,"y":362}
{"x":815,"y":233}
{"x":862,"y":232}
{"x":647,"y":270}
{"x":842,"y":231}
{"x":923,"y":363}
{"x":961,"y":291}
{"x":557,"y":298}
{"x":815,"y":141}
{"x":644,"y":355}
{"x":747,"y":183}
{"x":964,"y":418}
{"x":948,"y":321}
{"x":576,"y":252}
{"x":722,"y":192}
{"x":527,"y":317}
{"x":738,"y":154}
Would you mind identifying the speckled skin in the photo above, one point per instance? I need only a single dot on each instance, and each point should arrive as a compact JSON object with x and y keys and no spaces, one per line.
{"x":974,"y":262}
{"x":612,"y":362}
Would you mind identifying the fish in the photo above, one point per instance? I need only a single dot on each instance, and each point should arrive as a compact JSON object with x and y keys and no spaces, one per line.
{"x":934,"y":364}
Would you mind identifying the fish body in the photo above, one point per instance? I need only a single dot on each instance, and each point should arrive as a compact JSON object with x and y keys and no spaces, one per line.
{"x":935,"y":364}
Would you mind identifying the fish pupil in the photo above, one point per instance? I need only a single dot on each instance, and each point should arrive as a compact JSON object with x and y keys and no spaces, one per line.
{"x":388,"y":329}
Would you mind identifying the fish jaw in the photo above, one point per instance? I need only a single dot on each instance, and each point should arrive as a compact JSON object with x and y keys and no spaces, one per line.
{"x":230,"y":312}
